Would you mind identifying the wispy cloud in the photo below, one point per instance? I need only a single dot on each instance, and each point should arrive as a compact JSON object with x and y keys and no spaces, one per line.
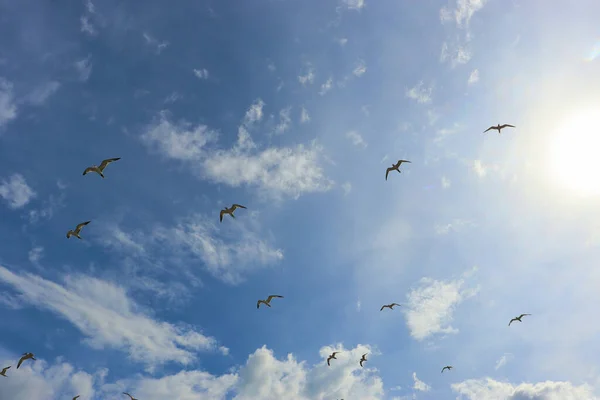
{"x":420,"y":93}
{"x":481,"y":169}
{"x":326,"y":87}
{"x":353,"y":4}
{"x":342,"y":41}
{"x":254,"y":113}
{"x":446,"y":183}
{"x":506,"y":357}
{"x":84,"y":68}
{"x":456,"y":225}
{"x":474,"y":77}
{"x":87,"y":26}
{"x":430,"y":307}
{"x":347,"y":188}
{"x":8,"y":108}
{"x":356,"y":138}
{"x":419,"y":384}
{"x":35,"y":254}
{"x":16,"y":192}
{"x":308,"y":77}
{"x":201,"y":73}
{"x":488,"y":388}
{"x":88,"y":303}
{"x":304,"y":116}
{"x":360,"y":69}
{"x":42,"y":93}
{"x":151,"y":41}
{"x":48,"y":208}
{"x":285,"y":120}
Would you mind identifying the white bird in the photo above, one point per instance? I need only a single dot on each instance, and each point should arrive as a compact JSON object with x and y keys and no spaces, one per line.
{"x":390,"y":306}
{"x":394,"y":167}
{"x":332,"y":356}
{"x":3,"y":372}
{"x":229,"y":211}
{"x":268,"y":300}
{"x":77,"y":230}
{"x":100,"y":168}
{"x":363,"y":359}
{"x":517,"y":318}
{"x":26,"y":356}
{"x":499,"y":127}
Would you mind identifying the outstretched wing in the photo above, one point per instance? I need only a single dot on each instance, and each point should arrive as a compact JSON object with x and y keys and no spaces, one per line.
{"x":489,"y":129}
{"x":81,"y":225}
{"x":221,"y":215}
{"x":512,"y":320}
{"x":130,"y":396}
{"x":329,"y":358}
{"x":88,"y":169}
{"x":522,"y":315}
{"x":104,"y":163}
{"x":387,"y":171}
{"x":506,"y":125}
{"x":382,"y":307}
{"x":20,"y":361}
{"x":76,"y":397}
{"x":401,"y":161}
{"x":271,"y":297}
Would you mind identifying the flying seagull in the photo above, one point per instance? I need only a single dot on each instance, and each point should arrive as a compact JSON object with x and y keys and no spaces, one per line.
{"x":499,"y":127}
{"x":76,"y":397}
{"x":394,"y":167}
{"x":26,"y":356}
{"x":448,"y":367}
{"x":77,"y":230}
{"x":332,"y":356}
{"x":390,"y":306}
{"x":268,"y":300}
{"x":363,"y":359}
{"x":130,"y":396}
{"x":3,"y":372}
{"x":517,"y":318}
{"x":100,"y":168}
{"x":229,"y":211}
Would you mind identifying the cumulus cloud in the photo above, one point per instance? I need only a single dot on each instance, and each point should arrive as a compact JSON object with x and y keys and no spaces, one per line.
{"x":104,"y":313}
{"x":254,"y":113}
{"x":285,"y":120}
{"x":430,"y":306}
{"x":308,"y":77}
{"x":419,"y":384}
{"x":84,"y":68}
{"x":86,"y":26}
{"x":360,"y":69}
{"x":304,"y":116}
{"x":474,"y":77}
{"x":8,"y":108}
{"x":446,"y":182}
{"x":420,"y":93}
{"x":16,"y":192}
{"x":201,"y":73}
{"x":353,"y":4}
{"x":479,"y":168}
{"x":356,"y":138}
{"x":490,"y":389}
{"x":326,"y":87}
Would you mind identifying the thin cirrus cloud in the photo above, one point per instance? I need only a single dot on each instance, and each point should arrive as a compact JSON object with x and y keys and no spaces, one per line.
{"x":420,"y":93}
{"x":8,"y":107}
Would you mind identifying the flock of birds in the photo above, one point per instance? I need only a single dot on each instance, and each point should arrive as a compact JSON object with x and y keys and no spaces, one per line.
{"x":99,"y":169}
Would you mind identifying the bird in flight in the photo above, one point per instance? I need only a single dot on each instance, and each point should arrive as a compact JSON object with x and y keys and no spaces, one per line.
{"x":77,"y":230}
{"x":448,"y":367}
{"x":130,"y":396}
{"x":394,"y":167}
{"x":332,"y":356}
{"x":363,"y":359}
{"x":26,"y":356}
{"x":499,"y":127}
{"x":517,"y":318}
{"x":100,"y":168}
{"x":229,"y":211}
{"x":390,"y":306}
{"x":268,"y":300}
{"x":76,"y":397}
{"x":3,"y":372}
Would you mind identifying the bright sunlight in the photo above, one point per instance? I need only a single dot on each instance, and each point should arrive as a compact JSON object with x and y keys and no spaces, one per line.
{"x":574,"y":153}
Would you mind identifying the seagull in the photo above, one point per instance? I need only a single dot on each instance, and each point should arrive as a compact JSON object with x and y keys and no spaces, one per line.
{"x":100,"y":168}
{"x":517,"y":318}
{"x":3,"y":372}
{"x":26,"y":356}
{"x":77,"y":230}
{"x":390,"y":306}
{"x":332,"y":356}
{"x":229,"y":211}
{"x":499,"y":127}
{"x":130,"y":396}
{"x":268,"y":300}
{"x":363,"y":359}
{"x":448,"y":367}
{"x":76,"y":397}
{"x":395,"y":167}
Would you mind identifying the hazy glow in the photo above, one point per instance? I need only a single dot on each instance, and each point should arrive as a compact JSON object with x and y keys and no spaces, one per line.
{"x":573,"y":157}
{"x":594,"y":53}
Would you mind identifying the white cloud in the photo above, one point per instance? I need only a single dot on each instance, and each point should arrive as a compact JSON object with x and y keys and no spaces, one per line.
{"x":308,"y":78}
{"x":347,"y":188}
{"x":430,"y":307}
{"x":40,"y":94}
{"x":254,"y":113}
{"x":90,"y":6}
{"x":420,"y":93}
{"x":285,"y":120}
{"x":16,"y":192}
{"x":48,"y":208}
{"x":360,"y":69}
{"x":474,"y":77}
{"x":463,"y":12}
{"x":490,"y":389}
{"x":479,"y":168}
{"x":179,"y":141}
{"x":342,"y":41}
{"x":446,"y":182}
{"x":35,"y":254}
{"x":358,"y":305}
{"x":304,"y":116}
{"x":354,"y":4}
{"x":8,"y":108}
{"x":160,"y":46}
{"x":456,"y":225}
{"x":271,"y":67}
{"x":201,"y":73}
{"x":326,"y":87}
{"x":90,"y":304}
{"x":458,"y":51}
{"x":86,"y":26}
{"x":356,"y":138}
{"x":419,"y":384}
{"x":84,"y":68}
{"x":506,"y":357}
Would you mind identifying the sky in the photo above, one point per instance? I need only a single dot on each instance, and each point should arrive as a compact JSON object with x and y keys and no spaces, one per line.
{"x":294,"y":109}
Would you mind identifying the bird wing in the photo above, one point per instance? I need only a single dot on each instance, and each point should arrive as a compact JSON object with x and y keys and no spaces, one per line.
{"x":4,"y":370}
{"x":387,"y":171}
{"x":382,"y":307}
{"x":237,"y":206}
{"x":522,"y":315}
{"x":221,"y":215}
{"x":88,"y":169}
{"x":20,"y":361}
{"x":506,"y":125}
{"x":489,"y":129}
{"x":81,"y":225}
{"x":395,"y":304}
{"x":512,"y":320}
{"x":128,"y":395}
{"x":76,"y":397}
{"x":258,"y":303}
{"x":360,"y":362}
{"x":104,"y":163}
{"x":334,"y":353}
{"x":328,"y":360}
{"x":271,"y":297}
{"x":401,"y":161}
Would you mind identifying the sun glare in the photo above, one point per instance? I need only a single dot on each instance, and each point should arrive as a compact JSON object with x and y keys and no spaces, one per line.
{"x":574,"y":153}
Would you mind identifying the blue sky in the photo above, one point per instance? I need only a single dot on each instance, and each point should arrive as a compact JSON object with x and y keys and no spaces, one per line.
{"x":295,"y":109}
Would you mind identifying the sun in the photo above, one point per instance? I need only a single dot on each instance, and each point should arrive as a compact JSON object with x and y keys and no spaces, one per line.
{"x":574,"y":154}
